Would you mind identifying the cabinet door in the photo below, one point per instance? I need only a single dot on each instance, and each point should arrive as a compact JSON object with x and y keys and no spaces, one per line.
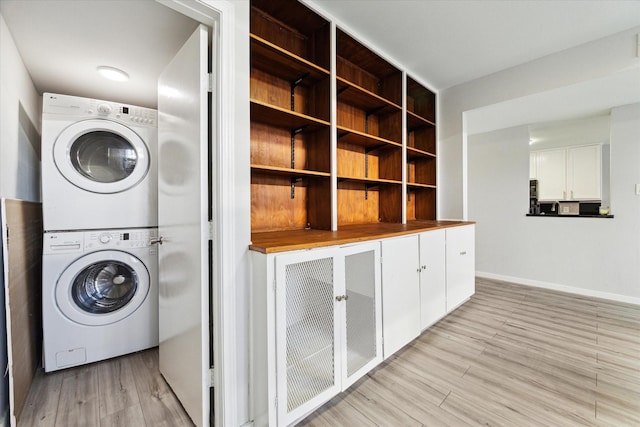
{"x":460,"y":264}
{"x":533,"y":165}
{"x":551,"y":175}
{"x":433,"y":302}
{"x":306,"y":333}
{"x":400,"y":292}
{"x":584,"y":172}
{"x":362,"y":333}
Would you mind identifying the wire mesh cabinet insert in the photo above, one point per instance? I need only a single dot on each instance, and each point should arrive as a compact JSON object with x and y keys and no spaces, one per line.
{"x":322,"y":332}
{"x":306,"y":332}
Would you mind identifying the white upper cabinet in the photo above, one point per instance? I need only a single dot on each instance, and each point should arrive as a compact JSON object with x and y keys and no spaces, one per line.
{"x":573,"y":173}
{"x":552,"y":175}
{"x":584,"y":172}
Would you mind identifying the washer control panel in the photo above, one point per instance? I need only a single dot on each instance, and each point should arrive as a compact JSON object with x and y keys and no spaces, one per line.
{"x":92,"y":240}
{"x":58,"y":105}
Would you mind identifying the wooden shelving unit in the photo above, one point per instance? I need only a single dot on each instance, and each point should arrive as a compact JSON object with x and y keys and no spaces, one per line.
{"x":290,"y":109}
{"x":421,"y":152}
{"x":369,"y":126}
{"x":291,"y":128}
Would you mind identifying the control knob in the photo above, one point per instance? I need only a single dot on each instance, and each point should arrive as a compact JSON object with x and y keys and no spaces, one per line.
{"x":104,"y":238}
{"x":104,"y":109}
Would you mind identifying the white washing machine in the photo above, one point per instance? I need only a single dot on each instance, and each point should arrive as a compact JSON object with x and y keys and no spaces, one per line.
{"x":99,"y":295}
{"x":99,"y":164}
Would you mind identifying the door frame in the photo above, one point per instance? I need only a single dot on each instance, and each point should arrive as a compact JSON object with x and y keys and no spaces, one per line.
{"x":220,"y":16}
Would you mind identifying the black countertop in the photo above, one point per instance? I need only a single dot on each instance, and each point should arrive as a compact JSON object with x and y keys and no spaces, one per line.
{"x":570,"y":216}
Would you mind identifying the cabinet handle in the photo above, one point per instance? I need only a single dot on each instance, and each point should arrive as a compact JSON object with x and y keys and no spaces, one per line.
{"x":571,"y":194}
{"x":564,"y":195}
{"x":342,"y":297}
{"x":463,"y":253}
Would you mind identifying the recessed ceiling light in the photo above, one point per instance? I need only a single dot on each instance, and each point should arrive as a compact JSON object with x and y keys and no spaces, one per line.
{"x":112,"y":73}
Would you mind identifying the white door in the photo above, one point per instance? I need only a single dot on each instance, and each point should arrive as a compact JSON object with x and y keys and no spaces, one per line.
{"x":552,"y":177}
{"x":461,"y":265}
{"x":400,"y":292}
{"x":584,"y":172}
{"x":433,"y":297}
{"x":359,"y":306}
{"x":307,"y":335}
{"x":183,"y":203}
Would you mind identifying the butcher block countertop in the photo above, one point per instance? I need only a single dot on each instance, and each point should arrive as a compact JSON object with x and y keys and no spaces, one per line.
{"x":283,"y":241}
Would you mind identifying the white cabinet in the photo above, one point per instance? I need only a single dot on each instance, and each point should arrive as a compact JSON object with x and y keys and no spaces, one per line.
{"x":317,"y":327}
{"x":533,"y":165}
{"x":433,"y":286}
{"x":460,"y":265}
{"x":552,"y":175}
{"x":573,"y":173}
{"x":584,"y":172}
{"x":400,"y":292}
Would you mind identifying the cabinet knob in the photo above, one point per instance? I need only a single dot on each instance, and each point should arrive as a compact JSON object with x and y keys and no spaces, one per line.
{"x":419,"y":270}
{"x":424,"y":267}
{"x":463,"y":253}
{"x":342,"y":297}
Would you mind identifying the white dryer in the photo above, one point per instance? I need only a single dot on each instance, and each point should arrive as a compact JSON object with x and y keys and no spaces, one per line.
{"x":99,"y":295}
{"x":99,"y":164}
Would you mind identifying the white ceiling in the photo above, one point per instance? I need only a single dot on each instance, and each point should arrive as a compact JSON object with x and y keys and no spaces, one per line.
{"x":448,"y":42}
{"x":63,"y":41}
{"x":442,"y":43}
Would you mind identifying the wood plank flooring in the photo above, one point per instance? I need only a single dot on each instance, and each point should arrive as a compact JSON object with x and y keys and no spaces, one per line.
{"x":124,"y":391}
{"x":511,"y":356}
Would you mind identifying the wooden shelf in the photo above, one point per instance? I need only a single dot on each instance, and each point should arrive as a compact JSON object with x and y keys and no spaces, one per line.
{"x":280,"y":117}
{"x":371,"y":142}
{"x":421,"y":104}
{"x":288,"y":172}
{"x":371,"y":181}
{"x":275,"y":60}
{"x":415,"y":121}
{"x":363,"y":99}
{"x":415,"y":185}
{"x":293,"y":179}
{"x":415,"y":154}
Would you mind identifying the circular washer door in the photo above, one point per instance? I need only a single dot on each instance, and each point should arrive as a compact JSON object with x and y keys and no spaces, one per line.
{"x":101,"y":156}
{"x":102,"y":287}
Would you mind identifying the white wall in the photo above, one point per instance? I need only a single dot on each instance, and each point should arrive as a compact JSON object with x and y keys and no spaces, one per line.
{"x":19,"y":155}
{"x":588,"y":256}
{"x":19,"y":164}
{"x":600,"y":60}
{"x":597,"y":257}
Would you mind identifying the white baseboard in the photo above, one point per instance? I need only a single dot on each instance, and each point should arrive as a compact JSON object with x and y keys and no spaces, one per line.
{"x":559,"y":287}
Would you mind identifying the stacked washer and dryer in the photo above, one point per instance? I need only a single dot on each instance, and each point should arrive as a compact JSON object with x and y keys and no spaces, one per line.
{"x":99,"y":189}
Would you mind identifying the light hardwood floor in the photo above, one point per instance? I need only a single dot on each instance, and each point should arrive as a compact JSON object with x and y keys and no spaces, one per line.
{"x":511,"y":356}
{"x":124,"y":391}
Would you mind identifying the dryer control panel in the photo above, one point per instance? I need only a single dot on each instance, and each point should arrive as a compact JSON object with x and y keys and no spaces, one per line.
{"x":92,"y":240}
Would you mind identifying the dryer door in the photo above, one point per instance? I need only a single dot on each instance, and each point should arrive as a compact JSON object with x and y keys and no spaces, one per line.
{"x":101,"y":156}
{"x":102,"y":287}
